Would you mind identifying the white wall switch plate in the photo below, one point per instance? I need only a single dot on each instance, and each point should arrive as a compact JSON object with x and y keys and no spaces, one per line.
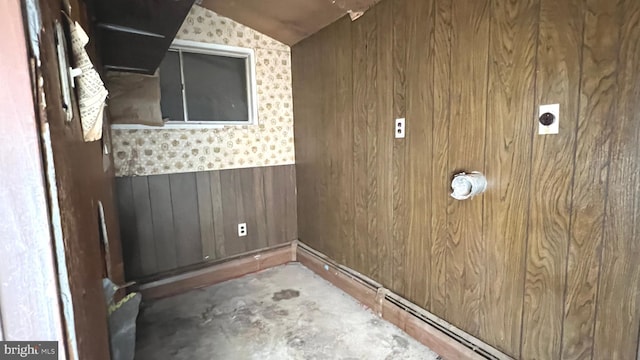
{"x":242,"y":229}
{"x":549,"y":119}
{"x":399,"y":129}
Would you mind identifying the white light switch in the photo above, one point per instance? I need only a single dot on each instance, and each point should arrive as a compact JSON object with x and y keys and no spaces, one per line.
{"x":399,"y":129}
{"x":549,"y":119}
{"x":242,"y":229}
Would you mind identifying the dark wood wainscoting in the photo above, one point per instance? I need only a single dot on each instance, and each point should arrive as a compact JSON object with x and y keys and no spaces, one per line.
{"x":172,"y":221}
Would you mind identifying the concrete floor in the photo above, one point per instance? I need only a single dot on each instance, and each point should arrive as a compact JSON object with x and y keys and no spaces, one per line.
{"x":287,"y":312}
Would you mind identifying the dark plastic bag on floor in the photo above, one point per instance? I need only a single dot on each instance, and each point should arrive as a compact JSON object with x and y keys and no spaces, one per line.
{"x":122,"y":322}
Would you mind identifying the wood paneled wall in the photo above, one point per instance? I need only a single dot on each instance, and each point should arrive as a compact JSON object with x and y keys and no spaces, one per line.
{"x":544,"y":264}
{"x":172,"y":221}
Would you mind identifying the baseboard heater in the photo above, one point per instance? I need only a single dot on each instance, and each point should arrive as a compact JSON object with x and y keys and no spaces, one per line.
{"x":442,"y":337}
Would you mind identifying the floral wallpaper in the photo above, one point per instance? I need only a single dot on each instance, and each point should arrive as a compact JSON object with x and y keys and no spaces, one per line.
{"x":163,"y":151}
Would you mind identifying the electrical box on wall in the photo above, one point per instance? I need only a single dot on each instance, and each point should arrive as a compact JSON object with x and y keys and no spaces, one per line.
{"x":399,"y":129}
{"x":549,"y":119}
{"x":242,"y":229}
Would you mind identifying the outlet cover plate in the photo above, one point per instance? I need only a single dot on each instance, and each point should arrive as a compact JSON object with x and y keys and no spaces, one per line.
{"x":554,"y":128}
{"x":242,"y":229}
{"x":399,"y":130}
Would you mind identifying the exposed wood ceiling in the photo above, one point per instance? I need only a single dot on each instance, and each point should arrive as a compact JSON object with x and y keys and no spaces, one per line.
{"x":288,"y":21}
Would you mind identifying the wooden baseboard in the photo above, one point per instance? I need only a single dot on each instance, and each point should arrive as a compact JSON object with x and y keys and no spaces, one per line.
{"x":351,"y":285}
{"x":217,"y":273}
{"x":441,"y":337}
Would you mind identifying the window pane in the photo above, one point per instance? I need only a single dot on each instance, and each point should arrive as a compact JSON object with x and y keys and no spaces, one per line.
{"x":171,"y":87}
{"x":216,"y":87}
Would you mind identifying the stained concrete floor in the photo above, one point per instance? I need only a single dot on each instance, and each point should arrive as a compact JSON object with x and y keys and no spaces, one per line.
{"x":287,"y":312}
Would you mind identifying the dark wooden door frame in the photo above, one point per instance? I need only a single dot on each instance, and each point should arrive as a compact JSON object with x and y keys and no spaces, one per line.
{"x":29,"y":298}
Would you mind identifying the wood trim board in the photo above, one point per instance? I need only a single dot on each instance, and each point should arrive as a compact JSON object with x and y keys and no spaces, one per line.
{"x":216,"y":273}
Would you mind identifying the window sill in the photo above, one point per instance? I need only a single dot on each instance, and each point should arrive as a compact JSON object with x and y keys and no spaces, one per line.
{"x":169,"y":126}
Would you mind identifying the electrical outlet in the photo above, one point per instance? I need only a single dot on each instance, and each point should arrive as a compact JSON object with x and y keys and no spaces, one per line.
{"x":549,"y":119}
{"x":399,"y":129}
{"x":242,"y":229}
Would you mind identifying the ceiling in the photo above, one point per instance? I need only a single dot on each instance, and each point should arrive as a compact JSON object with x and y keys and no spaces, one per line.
{"x":135,"y":34}
{"x":288,"y":21}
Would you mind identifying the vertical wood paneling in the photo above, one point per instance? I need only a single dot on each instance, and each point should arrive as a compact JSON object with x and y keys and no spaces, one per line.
{"x":380,"y":207}
{"x":218,"y":219}
{"x":274,"y":199}
{"x":146,"y":247}
{"x":163,"y":226}
{"x":327,"y":182}
{"x":288,"y":215}
{"x":618,"y":305}
{"x":205,"y":216}
{"x":318,"y":181}
{"x":280,"y":199}
{"x":469,"y":54}
{"x":171,"y":221}
{"x":512,"y":51}
{"x":184,"y":200}
{"x":129,"y":228}
{"x":233,"y":210}
{"x":363,"y":43}
{"x":344,"y":138}
{"x":419,"y":108}
{"x":262,"y":235}
{"x":542,"y":265}
{"x":305,"y":160}
{"x":597,"y":94}
{"x":557,"y":81}
{"x":248,"y":212}
{"x":400,"y":150}
{"x":441,"y":203}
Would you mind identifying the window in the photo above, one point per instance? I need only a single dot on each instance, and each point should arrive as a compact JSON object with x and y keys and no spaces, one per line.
{"x":208,"y":84}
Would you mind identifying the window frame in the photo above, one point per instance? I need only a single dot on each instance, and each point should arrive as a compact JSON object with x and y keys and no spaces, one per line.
{"x":189,"y":46}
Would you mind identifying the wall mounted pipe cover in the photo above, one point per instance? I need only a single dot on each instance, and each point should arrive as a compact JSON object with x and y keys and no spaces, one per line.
{"x":466,"y":186}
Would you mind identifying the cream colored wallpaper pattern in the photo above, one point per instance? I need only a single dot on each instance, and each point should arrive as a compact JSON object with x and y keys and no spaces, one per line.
{"x":163,"y":151}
